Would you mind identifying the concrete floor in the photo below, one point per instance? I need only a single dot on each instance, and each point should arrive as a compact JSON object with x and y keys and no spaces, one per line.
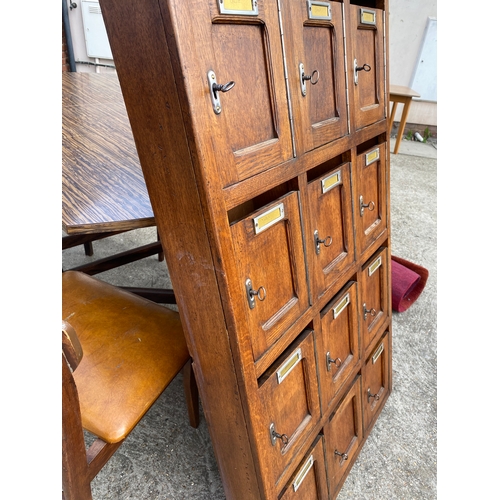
{"x":164,"y":458}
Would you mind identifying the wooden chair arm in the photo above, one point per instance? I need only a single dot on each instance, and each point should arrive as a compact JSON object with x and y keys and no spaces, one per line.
{"x":71,"y":347}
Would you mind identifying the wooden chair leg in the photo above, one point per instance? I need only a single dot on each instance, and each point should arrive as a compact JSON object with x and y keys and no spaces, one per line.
{"x":75,"y":480}
{"x":161,"y":255}
{"x":98,"y":455}
{"x":89,"y":249}
{"x":191,"y":393}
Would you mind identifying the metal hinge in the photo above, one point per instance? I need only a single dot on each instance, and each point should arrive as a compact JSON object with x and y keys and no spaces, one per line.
{"x":287,"y":83}
{"x":345,"y":72}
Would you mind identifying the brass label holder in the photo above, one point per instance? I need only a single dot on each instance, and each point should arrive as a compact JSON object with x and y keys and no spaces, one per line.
{"x":378,"y":352}
{"x":331,"y":181}
{"x":375,"y":265}
{"x":368,"y":17}
{"x":285,"y":369}
{"x":239,"y":7}
{"x":341,"y":305}
{"x":269,"y":218}
{"x":303,"y":473}
{"x":372,"y":156}
{"x":319,"y":10}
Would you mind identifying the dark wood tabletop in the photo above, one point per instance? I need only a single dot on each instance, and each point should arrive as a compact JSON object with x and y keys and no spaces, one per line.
{"x":103,"y":187}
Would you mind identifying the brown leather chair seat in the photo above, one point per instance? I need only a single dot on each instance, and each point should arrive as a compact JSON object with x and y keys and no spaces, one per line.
{"x":124,"y":350}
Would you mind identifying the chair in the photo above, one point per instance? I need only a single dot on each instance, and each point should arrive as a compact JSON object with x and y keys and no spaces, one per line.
{"x":119,"y":352}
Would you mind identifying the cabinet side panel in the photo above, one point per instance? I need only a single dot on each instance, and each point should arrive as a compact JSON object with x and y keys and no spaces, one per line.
{"x":140,"y":52}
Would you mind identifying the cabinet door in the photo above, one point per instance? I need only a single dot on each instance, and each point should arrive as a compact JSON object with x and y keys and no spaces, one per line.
{"x":314,"y":41}
{"x":338,"y":345}
{"x":329,"y":203}
{"x":239,"y":42}
{"x":366,"y":67}
{"x":270,"y":255}
{"x":374,"y":296}
{"x":370,"y":197}
{"x":375,"y":379}
{"x":309,"y":480}
{"x":343,"y":435}
{"x":289,"y":392}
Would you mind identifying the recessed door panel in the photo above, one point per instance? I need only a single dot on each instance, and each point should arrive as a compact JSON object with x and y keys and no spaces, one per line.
{"x":367,"y":69}
{"x":270,"y":255}
{"x":289,"y":392}
{"x":331,"y":237}
{"x":227,"y":40}
{"x":343,"y":435}
{"x":309,"y":479}
{"x":374,"y":296}
{"x":316,"y":71}
{"x":245,"y":89}
{"x":375,"y":379}
{"x":370,"y":198}
{"x":338,"y":345}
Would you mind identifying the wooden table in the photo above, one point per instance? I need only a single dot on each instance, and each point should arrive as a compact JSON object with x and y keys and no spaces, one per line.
{"x":399,"y":93}
{"x":103,"y":188}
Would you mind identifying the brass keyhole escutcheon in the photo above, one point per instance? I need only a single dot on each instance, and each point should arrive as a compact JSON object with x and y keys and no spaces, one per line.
{"x":276,"y":435}
{"x":313,"y":78}
{"x":365,"y":67}
{"x":317,"y":241}
{"x":372,"y":312}
{"x":260,"y":293}
{"x":215,"y":88}
{"x":370,"y":206}
{"x":329,"y":361}
{"x":370,"y":395}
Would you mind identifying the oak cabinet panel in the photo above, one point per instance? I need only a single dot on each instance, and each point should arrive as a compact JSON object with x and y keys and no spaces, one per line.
{"x":289,"y":392}
{"x":338,"y":345}
{"x":370,"y":196}
{"x":251,"y":118}
{"x":316,"y":71}
{"x":309,"y":480}
{"x":331,"y":238}
{"x":375,"y":380}
{"x":367,"y":68}
{"x":374,"y":296}
{"x":343,"y":435}
{"x":270,"y":255}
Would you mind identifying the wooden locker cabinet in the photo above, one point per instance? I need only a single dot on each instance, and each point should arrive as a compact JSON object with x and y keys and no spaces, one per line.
{"x":367,"y":65}
{"x":256,"y":188}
